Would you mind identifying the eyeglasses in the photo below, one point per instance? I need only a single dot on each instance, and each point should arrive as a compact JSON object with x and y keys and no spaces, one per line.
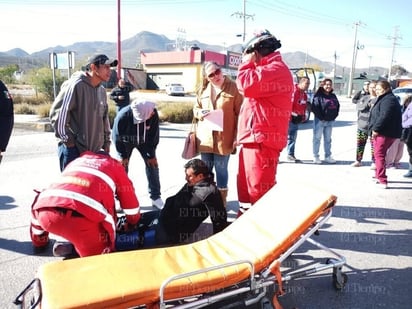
{"x":217,"y":72}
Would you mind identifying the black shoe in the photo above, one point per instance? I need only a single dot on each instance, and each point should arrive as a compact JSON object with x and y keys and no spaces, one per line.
{"x":63,"y":249}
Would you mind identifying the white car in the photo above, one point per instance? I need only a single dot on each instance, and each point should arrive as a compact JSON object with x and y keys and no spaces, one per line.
{"x":175,"y":89}
{"x":402,"y":92}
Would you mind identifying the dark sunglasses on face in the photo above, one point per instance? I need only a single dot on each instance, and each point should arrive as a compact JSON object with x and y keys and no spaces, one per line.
{"x":217,"y":72}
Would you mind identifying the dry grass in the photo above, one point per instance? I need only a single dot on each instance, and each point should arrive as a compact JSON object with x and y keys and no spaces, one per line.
{"x":170,"y":111}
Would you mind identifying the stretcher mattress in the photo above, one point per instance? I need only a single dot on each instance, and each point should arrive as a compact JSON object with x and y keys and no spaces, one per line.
{"x":125,"y":279}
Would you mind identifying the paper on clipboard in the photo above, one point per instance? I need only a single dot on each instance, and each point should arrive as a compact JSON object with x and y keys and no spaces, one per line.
{"x":214,"y":120}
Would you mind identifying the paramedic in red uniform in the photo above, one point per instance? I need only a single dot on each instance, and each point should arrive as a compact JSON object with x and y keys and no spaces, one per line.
{"x":267,"y":85}
{"x":80,"y":206}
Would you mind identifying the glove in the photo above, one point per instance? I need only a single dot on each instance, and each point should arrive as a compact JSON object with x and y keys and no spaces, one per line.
{"x":123,"y":226}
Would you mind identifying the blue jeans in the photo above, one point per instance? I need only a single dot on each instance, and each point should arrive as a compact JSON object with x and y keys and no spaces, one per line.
{"x":66,"y":155}
{"x":322,"y":128}
{"x":220,"y":164}
{"x":292,"y":135}
{"x":152,"y":175}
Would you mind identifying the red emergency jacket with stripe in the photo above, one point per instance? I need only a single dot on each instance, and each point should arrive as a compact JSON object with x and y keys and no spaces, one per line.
{"x":88,"y":185}
{"x":265,"y":113}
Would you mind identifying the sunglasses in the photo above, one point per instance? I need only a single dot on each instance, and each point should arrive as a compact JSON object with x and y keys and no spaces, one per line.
{"x":217,"y":72}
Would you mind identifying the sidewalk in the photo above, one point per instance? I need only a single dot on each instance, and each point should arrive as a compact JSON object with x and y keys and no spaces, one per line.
{"x":32,"y":122}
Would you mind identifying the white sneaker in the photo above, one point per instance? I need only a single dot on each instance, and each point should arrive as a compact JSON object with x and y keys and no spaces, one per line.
{"x":158,"y":203}
{"x":330,"y":160}
{"x":317,"y":161}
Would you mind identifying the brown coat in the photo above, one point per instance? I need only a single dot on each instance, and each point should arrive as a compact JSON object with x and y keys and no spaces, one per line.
{"x":229,"y":100}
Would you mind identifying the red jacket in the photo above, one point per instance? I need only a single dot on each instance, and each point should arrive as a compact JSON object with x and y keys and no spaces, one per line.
{"x":265,"y":113}
{"x":88,"y":185}
{"x":299,"y":101}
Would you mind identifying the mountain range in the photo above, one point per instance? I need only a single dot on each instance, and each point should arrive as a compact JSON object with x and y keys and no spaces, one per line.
{"x":150,"y":42}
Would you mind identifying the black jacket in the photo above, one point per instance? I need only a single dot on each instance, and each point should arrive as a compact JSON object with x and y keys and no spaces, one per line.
{"x":6,"y":116}
{"x":386,"y":116}
{"x":325,"y":106}
{"x":184,"y":212}
{"x":127,"y":135}
{"x":118,"y":91}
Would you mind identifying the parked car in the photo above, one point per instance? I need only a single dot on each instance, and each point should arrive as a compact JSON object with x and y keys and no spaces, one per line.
{"x":175,"y":89}
{"x":402,"y":92}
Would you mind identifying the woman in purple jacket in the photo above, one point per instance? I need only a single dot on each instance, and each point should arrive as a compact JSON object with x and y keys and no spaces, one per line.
{"x":407,"y":123}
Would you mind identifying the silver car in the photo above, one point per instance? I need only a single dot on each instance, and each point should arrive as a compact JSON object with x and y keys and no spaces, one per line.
{"x":402,"y":92}
{"x":175,"y":89}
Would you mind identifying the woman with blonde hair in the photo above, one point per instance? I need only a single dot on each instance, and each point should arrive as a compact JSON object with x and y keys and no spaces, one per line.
{"x":217,"y":92}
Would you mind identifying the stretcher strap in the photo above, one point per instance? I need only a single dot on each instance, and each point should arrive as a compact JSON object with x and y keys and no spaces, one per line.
{"x":275,"y":270}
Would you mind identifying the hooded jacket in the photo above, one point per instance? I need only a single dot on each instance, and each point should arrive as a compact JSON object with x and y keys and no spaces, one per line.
{"x":325,"y":106}
{"x":187,"y":209}
{"x":135,"y":125}
{"x":386,"y":116}
{"x":79,"y":114}
{"x":265,"y":112}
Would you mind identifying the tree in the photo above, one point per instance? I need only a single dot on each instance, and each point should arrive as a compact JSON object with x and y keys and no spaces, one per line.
{"x":398,"y":70}
{"x":7,"y":73}
{"x":42,"y":79}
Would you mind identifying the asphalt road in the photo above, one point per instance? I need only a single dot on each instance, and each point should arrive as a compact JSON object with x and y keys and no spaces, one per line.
{"x":370,"y":226}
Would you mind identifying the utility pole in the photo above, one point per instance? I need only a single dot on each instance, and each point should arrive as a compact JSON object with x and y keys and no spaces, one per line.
{"x":244,"y":16}
{"x":395,"y":38}
{"x":119,"y":43}
{"x":334,"y":67}
{"x":352,"y":70}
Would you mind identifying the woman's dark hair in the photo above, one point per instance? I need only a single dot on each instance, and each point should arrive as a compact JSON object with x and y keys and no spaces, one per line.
{"x":198,"y":166}
{"x":384,"y":84}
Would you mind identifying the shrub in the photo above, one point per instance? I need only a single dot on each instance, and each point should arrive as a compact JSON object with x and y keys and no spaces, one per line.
{"x":175,"y":112}
{"x":24,"y":108}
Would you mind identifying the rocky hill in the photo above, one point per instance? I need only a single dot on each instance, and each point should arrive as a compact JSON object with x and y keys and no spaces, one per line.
{"x":143,"y":41}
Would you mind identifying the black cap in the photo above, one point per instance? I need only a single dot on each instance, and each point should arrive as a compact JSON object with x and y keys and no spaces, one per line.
{"x":101,"y":59}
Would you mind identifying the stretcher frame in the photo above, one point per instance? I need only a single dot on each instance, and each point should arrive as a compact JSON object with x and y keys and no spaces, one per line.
{"x":259,"y":286}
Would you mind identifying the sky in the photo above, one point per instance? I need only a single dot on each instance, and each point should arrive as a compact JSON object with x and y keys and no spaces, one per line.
{"x":379,"y":32}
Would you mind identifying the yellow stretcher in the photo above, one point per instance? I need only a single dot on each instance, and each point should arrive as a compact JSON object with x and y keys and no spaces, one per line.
{"x":240,"y":265}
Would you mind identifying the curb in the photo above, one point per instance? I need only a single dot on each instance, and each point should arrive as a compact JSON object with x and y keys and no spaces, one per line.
{"x":39,"y":125}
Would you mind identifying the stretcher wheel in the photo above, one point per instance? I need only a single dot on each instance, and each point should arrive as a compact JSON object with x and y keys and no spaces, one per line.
{"x":340,"y":283}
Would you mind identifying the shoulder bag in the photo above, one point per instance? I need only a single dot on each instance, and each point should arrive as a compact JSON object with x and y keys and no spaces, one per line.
{"x":190,"y":148}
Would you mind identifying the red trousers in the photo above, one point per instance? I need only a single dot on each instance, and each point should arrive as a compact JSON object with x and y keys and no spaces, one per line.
{"x":257,"y":171}
{"x":381,"y":145}
{"x":87,"y":237}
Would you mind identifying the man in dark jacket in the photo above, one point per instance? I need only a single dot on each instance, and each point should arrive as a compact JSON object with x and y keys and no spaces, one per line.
{"x":120,"y":94}
{"x":6,"y":117}
{"x":137,"y":126}
{"x":184,"y":212}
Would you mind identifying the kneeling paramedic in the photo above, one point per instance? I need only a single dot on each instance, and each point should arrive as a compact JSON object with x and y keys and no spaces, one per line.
{"x":80,"y":206}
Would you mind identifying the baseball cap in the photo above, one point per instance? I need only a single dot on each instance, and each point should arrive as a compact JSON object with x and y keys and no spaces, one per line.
{"x":101,"y":59}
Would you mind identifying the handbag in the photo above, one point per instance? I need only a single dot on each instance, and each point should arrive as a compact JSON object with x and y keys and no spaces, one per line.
{"x":406,"y":136}
{"x":190,"y":148}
